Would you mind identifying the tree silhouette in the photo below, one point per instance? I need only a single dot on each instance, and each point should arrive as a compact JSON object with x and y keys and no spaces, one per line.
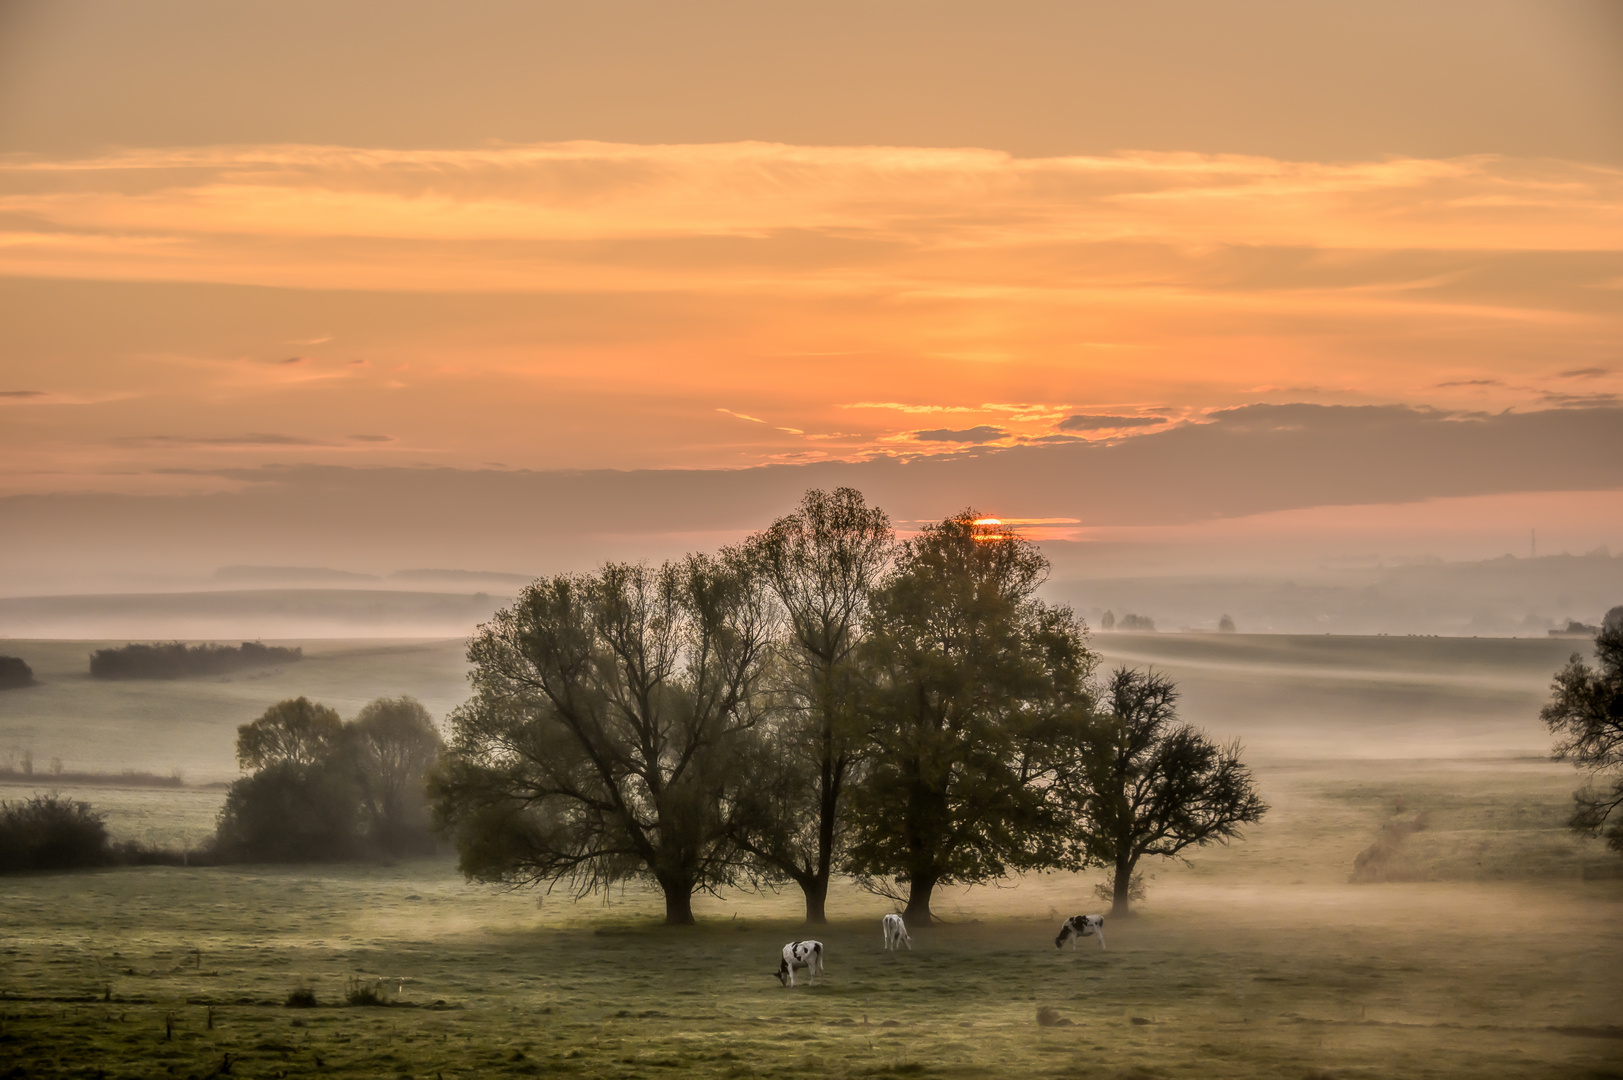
{"x":601,"y":739}
{"x":1586,"y":713}
{"x":1151,"y":786}
{"x":980,"y":690}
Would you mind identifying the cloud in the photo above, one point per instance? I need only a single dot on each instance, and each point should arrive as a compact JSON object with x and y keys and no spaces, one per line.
{"x":1580,"y":401}
{"x":1248,"y":460}
{"x":626,"y":218}
{"x":1099,"y":421}
{"x":1584,"y":373}
{"x":373,"y":438}
{"x":1468,"y":382}
{"x":251,"y":440}
{"x":981,"y":433}
{"x":21,"y":395}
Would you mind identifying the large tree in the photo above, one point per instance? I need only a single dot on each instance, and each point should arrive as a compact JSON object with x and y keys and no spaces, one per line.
{"x":1586,"y":713}
{"x":822,"y":562}
{"x":979,"y":690}
{"x":1149,"y":785}
{"x":602,"y":736}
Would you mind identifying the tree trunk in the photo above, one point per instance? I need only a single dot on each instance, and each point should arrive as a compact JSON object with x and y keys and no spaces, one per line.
{"x":917,"y":912}
{"x":678,"y":903}
{"x":816,"y":890}
{"x":1122,"y":886}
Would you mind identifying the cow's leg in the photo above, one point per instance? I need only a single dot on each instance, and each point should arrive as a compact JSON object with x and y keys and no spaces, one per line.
{"x":1101,"y":932}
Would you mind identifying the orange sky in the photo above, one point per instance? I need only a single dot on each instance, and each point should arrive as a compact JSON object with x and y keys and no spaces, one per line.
{"x":585,"y":304}
{"x":196,"y":272}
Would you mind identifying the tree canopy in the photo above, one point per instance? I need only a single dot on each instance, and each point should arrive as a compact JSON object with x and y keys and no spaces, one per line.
{"x":822,"y":563}
{"x":321,"y":789}
{"x":1151,"y":786}
{"x":1585,"y":712}
{"x":980,"y":691}
{"x":601,"y":738}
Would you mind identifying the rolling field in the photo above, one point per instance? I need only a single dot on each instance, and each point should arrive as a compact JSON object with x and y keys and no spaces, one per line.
{"x":1485,"y":942}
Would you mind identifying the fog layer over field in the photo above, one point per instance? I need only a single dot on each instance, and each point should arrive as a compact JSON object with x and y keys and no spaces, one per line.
{"x":1412,"y":904}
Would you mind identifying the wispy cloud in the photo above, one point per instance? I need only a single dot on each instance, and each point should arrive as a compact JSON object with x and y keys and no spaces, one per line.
{"x":847,"y":294}
{"x":981,"y":433}
{"x":1101,"y":422}
{"x":243,"y":441}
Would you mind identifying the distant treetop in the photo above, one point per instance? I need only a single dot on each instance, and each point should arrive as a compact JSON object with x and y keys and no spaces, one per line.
{"x":14,"y":673}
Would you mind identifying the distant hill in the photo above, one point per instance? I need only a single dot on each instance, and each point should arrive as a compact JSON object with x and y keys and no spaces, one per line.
{"x":287,"y":575}
{"x":462,"y":577}
{"x":245,"y":614}
{"x":1501,"y":597}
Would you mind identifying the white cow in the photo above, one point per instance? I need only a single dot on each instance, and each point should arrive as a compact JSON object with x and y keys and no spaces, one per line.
{"x":800,"y":954}
{"x":896,"y":933}
{"x":1081,"y":926}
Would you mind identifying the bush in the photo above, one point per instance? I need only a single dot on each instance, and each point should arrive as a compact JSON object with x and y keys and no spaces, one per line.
{"x":14,"y":673}
{"x":177,"y":660}
{"x":302,"y":998}
{"x":289,"y":812}
{"x":48,"y":832}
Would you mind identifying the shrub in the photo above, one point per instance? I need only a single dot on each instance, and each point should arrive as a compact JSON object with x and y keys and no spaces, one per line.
{"x":14,"y":673}
{"x":48,"y":832}
{"x":288,"y":812}
{"x":302,"y":998}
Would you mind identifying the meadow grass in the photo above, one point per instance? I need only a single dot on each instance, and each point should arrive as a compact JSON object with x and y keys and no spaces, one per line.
{"x":1490,"y":946}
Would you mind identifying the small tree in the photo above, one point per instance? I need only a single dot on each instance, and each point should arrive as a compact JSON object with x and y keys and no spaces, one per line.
{"x":601,"y":740}
{"x":1150,"y":786}
{"x":297,"y":732}
{"x":822,"y":562}
{"x":979,"y":688}
{"x":1586,"y":713}
{"x":302,"y":799}
{"x":393,"y":744}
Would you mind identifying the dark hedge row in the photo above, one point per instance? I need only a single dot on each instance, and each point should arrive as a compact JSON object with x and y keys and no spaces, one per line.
{"x":177,"y":660}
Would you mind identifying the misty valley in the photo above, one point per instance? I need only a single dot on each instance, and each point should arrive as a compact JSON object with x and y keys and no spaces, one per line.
{"x":1412,"y":904}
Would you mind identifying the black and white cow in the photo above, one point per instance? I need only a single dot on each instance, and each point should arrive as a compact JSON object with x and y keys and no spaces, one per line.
{"x":1081,"y":926}
{"x":800,"y":954}
{"x":896,"y":933}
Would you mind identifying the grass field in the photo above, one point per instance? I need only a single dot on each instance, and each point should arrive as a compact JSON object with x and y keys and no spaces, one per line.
{"x":1487,"y":946}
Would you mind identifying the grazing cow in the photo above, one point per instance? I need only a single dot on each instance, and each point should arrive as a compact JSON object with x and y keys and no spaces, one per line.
{"x":896,"y":934}
{"x":800,"y":954}
{"x":1081,"y":926}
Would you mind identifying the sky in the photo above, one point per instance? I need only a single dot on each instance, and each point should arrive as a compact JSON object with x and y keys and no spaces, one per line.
{"x":1094,"y":267}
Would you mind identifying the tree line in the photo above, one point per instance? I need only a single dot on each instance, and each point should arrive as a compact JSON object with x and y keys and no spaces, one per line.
{"x":177,"y":660}
{"x":819,"y":699}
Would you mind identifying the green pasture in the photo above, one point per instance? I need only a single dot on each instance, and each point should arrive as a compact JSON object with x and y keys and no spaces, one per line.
{"x":1489,"y":946}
